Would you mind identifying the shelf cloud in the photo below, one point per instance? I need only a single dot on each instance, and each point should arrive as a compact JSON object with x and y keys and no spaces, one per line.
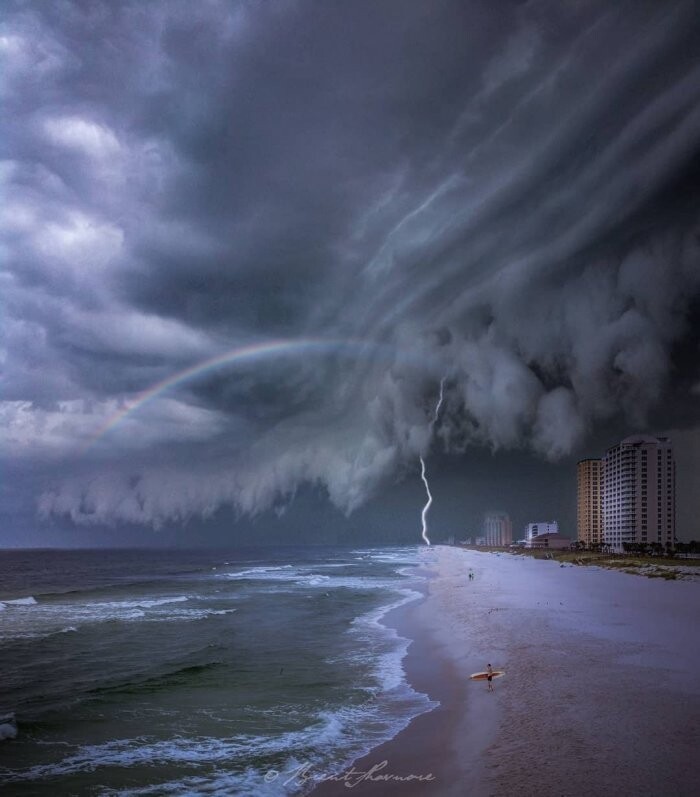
{"x":500,"y":195}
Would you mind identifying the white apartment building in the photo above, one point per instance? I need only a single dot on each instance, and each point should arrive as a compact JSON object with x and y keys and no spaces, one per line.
{"x":639,"y":495}
{"x":533,"y":530}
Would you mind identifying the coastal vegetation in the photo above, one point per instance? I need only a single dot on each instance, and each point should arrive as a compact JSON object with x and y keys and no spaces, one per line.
{"x":653,"y":565}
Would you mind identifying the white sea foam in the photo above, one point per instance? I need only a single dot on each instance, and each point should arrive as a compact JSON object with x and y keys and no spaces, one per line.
{"x":188,"y":614}
{"x":411,"y":555}
{"x":148,"y":751}
{"x":394,"y":558}
{"x":220,"y":784}
{"x":360,"y":582}
{"x":52,"y":617}
{"x":223,"y":784}
{"x":286,"y":574}
{"x":129,"y":614}
{"x":316,"y":580}
{"x":305,"y":577}
{"x":141,"y":603}
{"x":389,"y":666}
{"x":335,"y":737}
{"x":255,"y":573}
{"x":30,"y":601}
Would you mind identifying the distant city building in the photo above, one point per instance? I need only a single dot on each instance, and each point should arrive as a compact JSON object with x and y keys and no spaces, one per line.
{"x":498,"y":529}
{"x":553,"y":541}
{"x":533,"y":530}
{"x":639,"y":492}
{"x":589,"y":508}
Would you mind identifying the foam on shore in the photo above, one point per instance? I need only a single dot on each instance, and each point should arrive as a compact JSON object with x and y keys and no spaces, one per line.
{"x":602,"y":694}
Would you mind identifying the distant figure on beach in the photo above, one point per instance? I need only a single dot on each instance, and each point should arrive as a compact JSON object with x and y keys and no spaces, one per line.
{"x":489,"y":670}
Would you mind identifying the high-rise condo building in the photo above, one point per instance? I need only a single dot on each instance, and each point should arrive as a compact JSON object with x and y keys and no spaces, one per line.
{"x":533,"y":530}
{"x":498,"y":529}
{"x":589,"y":506}
{"x":639,"y":492}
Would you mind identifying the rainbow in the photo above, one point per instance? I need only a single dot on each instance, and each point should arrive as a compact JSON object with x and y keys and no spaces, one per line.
{"x":241,"y":354}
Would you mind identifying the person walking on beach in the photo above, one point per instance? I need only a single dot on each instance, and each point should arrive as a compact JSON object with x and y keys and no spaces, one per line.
{"x":489,"y":677}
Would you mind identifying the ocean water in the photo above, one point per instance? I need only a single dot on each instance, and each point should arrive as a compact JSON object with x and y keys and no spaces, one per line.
{"x":173,"y":672}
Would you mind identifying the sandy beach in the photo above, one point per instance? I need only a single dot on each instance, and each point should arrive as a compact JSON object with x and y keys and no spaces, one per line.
{"x":601,"y":694}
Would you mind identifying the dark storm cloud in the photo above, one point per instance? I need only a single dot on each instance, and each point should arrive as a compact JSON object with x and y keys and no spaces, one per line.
{"x":500,"y":194}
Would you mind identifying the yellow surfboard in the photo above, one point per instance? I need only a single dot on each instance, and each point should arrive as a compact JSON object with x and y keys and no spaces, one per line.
{"x":482,"y":676}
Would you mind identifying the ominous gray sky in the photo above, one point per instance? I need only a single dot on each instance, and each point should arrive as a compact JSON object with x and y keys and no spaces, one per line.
{"x":503,"y":195}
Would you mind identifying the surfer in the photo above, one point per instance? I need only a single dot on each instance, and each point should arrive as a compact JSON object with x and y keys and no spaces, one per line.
{"x":489,"y":677}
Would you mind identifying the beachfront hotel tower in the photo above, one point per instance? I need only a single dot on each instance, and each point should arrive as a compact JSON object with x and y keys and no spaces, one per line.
{"x":498,"y":529}
{"x":639,"y":492}
{"x":589,"y":505}
{"x":533,"y":530}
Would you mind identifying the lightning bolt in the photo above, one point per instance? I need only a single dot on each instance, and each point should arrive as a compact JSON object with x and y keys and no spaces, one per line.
{"x":424,"y":513}
{"x":439,"y":404}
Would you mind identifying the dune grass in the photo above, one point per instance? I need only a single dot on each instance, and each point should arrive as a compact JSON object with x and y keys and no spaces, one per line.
{"x":650,"y":566}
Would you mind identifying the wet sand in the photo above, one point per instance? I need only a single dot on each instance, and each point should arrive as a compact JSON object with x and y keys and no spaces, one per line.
{"x":440,"y":751}
{"x":601,"y":694}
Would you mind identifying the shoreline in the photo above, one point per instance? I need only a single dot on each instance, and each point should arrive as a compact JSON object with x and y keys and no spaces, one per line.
{"x":441,"y":751}
{"x":601,"y":695}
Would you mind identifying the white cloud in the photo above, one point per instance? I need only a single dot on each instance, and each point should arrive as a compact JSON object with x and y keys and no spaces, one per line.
{"x":127,"y":332}
{"x":91,"y":138}
{"x":79,"y":241}
{"x":66,"y":430}
{"x":558,"y":428}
